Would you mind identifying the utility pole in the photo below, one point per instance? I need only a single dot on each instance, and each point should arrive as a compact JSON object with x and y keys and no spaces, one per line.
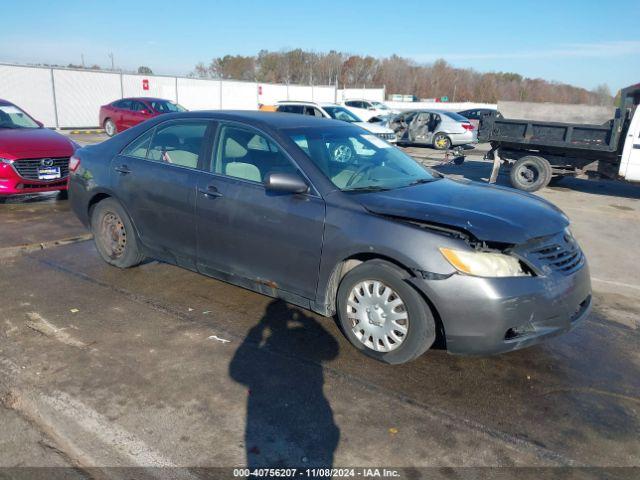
{"x":82,"y":58}
{"x":112,"y":62}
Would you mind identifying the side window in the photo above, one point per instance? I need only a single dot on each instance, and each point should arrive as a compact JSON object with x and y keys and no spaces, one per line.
{"x":138,"y":106}
{"x":178,"y":143}
{"x":314,"y":112}
{"x":246,"y":154}
{"x":291,"y":109}
{"x":350,"y":103}
{"x":124,"y":104}
{"x":139,"y":147}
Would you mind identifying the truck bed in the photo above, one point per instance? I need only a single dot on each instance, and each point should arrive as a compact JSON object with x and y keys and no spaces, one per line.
{"x":529,"y":134}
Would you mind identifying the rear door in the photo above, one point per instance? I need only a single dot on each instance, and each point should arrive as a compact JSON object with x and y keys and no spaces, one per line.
{"x":138,"y":114}
{"x":249,"y":235}
{"x":156,"y":178}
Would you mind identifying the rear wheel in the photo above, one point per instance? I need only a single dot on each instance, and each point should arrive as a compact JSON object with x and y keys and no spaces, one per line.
{"x":441,"y":142}
{"x":110,"y":127}
{"x":530,"y":173}
{"x":382,"y":315}
{"x":114,"y":235}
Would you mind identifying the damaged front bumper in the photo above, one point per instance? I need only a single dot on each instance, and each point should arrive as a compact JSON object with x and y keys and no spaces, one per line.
{"x":484,"y":316}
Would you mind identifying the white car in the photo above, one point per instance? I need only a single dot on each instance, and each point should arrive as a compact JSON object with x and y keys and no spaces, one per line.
{"x":337,"y":112}
{"x":367,"y":109}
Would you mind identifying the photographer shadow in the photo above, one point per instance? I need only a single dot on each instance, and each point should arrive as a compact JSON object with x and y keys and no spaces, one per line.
{"x":289,"y":421}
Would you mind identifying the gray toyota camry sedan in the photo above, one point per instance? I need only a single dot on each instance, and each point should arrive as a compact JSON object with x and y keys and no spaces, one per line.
{"x":328,"y":217}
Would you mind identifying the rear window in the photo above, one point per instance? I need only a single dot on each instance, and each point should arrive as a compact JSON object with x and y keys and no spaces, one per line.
{"x":456,"y":116}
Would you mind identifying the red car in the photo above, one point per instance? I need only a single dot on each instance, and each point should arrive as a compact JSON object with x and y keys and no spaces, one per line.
{"x":129,"y":112}
{"x":32,"y":158}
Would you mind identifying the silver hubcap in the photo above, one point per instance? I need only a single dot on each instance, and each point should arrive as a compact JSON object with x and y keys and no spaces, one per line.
{"x":378,"y":316}
{"x":110,"y":128}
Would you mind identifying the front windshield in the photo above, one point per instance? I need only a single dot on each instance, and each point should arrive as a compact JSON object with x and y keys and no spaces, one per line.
{"x":355,"y":160}
{"x":380,"y":106}
{"x":341,"y":113}
{"x":12,"y":117}
{"x":164,"y":106}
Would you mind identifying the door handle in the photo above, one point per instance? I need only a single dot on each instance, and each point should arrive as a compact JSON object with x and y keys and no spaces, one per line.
{"x":123,"y":169}
{"x":211,"y":192}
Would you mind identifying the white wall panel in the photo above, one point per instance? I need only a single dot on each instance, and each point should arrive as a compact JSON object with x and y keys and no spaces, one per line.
{"x":161,"y":87}
{"x":324,"y":94}
{"x":195,"y":94}
{"x":300,"y":92}
{"x":271,"y":93}
{"x":79,"y":96}
{"x":239,"y":95}
{"x":30,"y":89}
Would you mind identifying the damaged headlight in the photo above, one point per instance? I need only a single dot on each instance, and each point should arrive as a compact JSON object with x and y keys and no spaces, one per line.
{"x":484,"y":264}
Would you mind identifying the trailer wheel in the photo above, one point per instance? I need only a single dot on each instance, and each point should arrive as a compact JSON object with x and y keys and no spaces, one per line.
{"x":530,"y":173}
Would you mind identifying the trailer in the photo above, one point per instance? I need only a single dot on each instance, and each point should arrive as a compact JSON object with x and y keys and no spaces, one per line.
{"x":542,"y":152}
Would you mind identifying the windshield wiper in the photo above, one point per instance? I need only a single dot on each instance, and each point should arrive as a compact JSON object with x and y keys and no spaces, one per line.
{"x":370,"y":188}
{"x":423,"y":180}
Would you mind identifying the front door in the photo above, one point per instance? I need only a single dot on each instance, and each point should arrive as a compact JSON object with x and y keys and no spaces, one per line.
{"x":249,"y":235}
{"x":156,"y":177}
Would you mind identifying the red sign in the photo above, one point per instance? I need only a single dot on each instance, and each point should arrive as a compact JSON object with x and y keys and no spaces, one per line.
{"x":145,"y":84}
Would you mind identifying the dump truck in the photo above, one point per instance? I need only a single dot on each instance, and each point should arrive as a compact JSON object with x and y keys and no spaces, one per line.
{"x":542,"y":152}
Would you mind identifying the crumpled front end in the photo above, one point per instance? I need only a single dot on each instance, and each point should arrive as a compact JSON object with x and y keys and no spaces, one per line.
{"x":494,"y":315}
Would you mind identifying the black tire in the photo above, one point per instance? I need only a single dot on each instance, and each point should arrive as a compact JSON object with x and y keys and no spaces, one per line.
{"x":114,"y":235}
{"x":530,"y":173}
{"x":420,"y":324}
{"x":63,"y":195}
{"x":441,"y":141}
{"x":110,"y":127}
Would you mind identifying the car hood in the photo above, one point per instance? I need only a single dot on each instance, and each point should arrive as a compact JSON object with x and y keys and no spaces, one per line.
{"x":33,"y":142}
{"x":488,"y":212}
{"x":373,"y":128}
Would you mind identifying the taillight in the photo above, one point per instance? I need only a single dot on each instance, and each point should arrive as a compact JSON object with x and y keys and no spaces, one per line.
{"x":74,"y":163}
{"x":468,"y":126}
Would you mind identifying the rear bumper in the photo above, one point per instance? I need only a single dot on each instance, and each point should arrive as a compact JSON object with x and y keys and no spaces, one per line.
{"x":13,"y":184}
{"x":464,"y":138}
{"x":495,"y":315}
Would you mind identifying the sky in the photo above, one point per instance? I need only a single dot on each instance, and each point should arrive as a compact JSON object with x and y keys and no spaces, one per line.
{"x":584,"y":43}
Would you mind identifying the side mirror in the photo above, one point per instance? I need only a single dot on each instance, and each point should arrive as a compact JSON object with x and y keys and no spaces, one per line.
{"x":285,"y":183}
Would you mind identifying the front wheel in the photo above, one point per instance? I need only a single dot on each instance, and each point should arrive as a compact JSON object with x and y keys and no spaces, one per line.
{"x":382,"y":315}
{"x":114,"y":235}
{"x":530,"y":173}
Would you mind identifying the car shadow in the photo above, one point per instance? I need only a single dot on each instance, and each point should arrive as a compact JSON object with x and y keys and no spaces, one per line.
{"x":289,"y":420}
{"x":481,"y":170}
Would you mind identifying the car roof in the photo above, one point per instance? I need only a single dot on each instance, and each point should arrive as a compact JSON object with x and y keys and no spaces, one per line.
{"x":275,"y":120}
{"x":149,"y":99}
{"x":5,"y":102}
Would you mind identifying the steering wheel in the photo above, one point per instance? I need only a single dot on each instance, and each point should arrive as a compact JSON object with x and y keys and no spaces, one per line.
{"x":359,"y":172}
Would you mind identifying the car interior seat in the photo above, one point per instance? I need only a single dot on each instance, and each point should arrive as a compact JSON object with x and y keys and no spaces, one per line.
{"x":236,"y":160}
